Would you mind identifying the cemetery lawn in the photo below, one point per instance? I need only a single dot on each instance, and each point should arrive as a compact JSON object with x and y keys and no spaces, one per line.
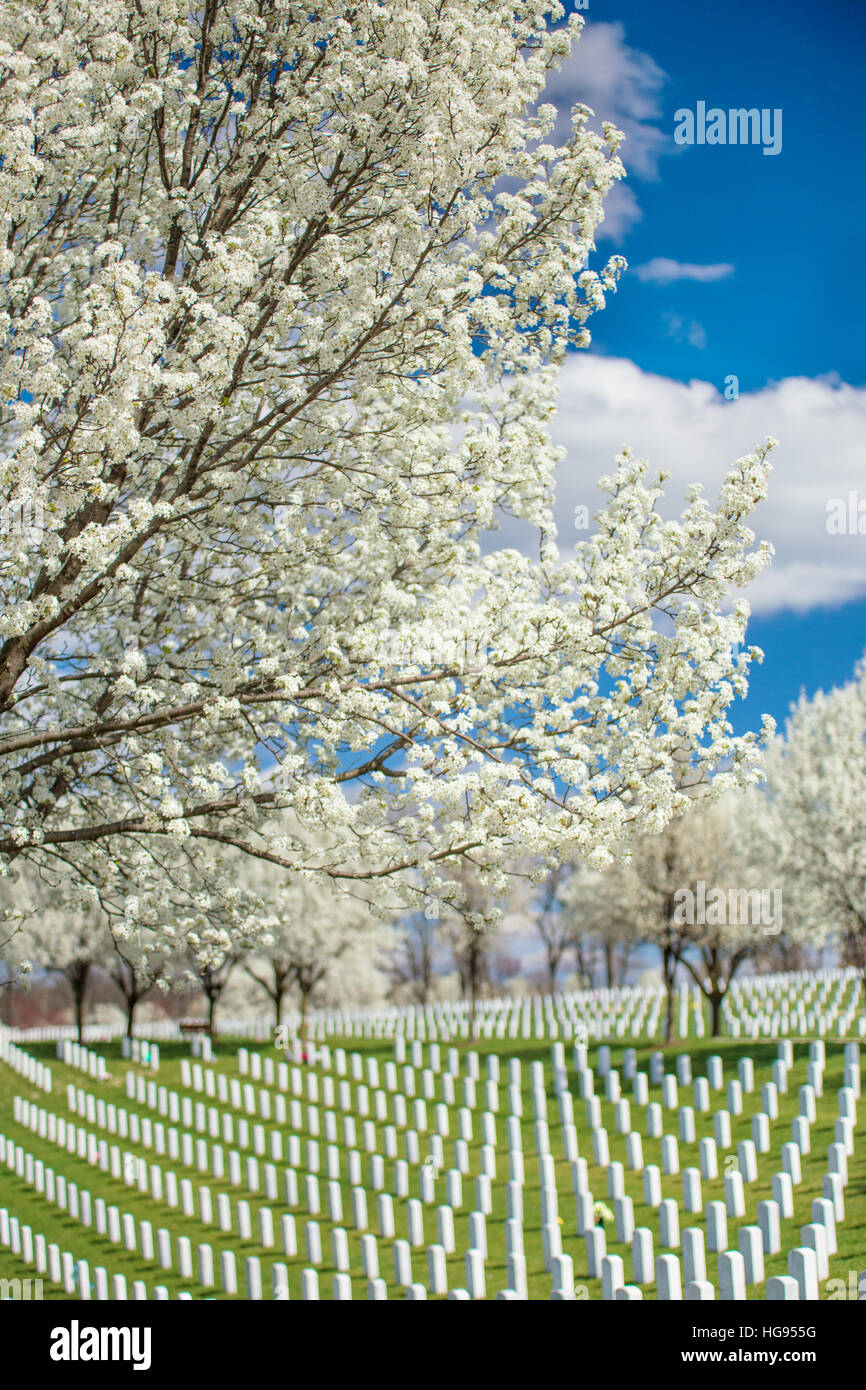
{"x":57,"y":1226}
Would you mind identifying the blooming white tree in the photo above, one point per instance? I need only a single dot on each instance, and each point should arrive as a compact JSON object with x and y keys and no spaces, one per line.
{"x":695,"y":892}
{"x":727,"y":914}
{"x":13,"y":971}
{"x":284,"y":294}
{"x":479,"y":910}
{"x":63,"y":938}
{"x":554,"y":926}
{"x":319,"y":944}
{"x":414,"y":957}
{"x":809,"y":820}
{"x":599,"y":909}
{"x":213,"y":977}
{"x":16,"y":967}
{"x":135,"y":972}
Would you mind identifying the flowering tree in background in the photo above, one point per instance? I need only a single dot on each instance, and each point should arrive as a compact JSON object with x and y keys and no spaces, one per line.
{"x":15,"y":967}
{"x":69,"y":941}
{"x":213,"y":977}
{"x":471,"y":940}
{"x":731,"y":919}
{"x":602,"y":908}
{"x":691,"y":891}
{"x":809,"y":821}
{"x":414,"y":957}
{"x":480,"y":909}
{"x":555,"y":926}
{"x":135,"y":973}
{"x":284,"y":297}
{"x":316,"y":938}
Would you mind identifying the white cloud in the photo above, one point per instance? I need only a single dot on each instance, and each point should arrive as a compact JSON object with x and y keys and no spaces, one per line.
{"x":661,"y":270}
{"x":621,"y":212}
{"x":622,"y":85}
{"x":685,"y":330}
{"x":692,"y":432}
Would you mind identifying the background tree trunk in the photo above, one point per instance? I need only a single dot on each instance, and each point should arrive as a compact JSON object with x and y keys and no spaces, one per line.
{"x":78,"y":975}
{"x":609,"y":963}
{"x":669,"y":969}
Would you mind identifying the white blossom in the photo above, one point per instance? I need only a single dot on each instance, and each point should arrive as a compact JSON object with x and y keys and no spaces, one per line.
{"x":284,"y":295}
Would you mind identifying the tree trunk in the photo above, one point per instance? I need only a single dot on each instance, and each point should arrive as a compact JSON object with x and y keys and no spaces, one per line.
{"x":281,"y":985}
{"x":131,"y":1002}
{"x":609,"y":963}
{"x":211,"y":1014}
{"x":303,"y":1030}
{"x":78,"y":977}
{"x":623,"y":958}
{"x":581,"y":964}
{"x":716,"y":1011}
{"x":670,"y":974}
{"x":473,"y":992}
{"x":426,"y":973}
{"x":475,"y":968}
{"x":278,"y":993}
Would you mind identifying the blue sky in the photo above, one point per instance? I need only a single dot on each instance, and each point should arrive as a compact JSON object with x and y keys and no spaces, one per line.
{"x":741,"y":264}
{"x":791,"y":224}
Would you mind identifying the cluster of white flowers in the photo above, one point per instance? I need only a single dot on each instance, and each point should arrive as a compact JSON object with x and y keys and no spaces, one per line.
{"x":808,"y":823}
{"x":282,"y":299}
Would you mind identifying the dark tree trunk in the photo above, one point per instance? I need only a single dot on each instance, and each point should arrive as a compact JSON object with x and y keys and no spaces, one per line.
{"x":609,"y":949}
{"x":473,"y":995}
{"x":623,"y":959}
{"x":475,"y":972}
{"x":552,"y":967}
{"x":133,"y":999}
{"x":279,"y":994}
{"x":580,"y":961}
{"x":78,"y":975}
{"x":669,"y":966}
{"x":279,"y":991}
{"x":424,"y":972}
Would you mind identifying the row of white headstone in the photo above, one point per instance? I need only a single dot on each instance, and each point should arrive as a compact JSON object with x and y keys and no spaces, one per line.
{"x":538,"y":1073}
{"x":747,"y":1150}
{"x":746,"y":1081}
{"x":809,"y":1005}
{"x":74,"y":1054}
{"x":37,"y":1073}
{"x":615,"y":1012}
{"x":140,"y":1050}
{"x":819,"y":1236}
{"x":33,"y":1248}
{"x":161,"y":1247}
{"x":771,"y":1006}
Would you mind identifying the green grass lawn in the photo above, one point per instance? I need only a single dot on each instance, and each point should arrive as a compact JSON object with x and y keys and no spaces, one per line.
{"x":84,"y":1243}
